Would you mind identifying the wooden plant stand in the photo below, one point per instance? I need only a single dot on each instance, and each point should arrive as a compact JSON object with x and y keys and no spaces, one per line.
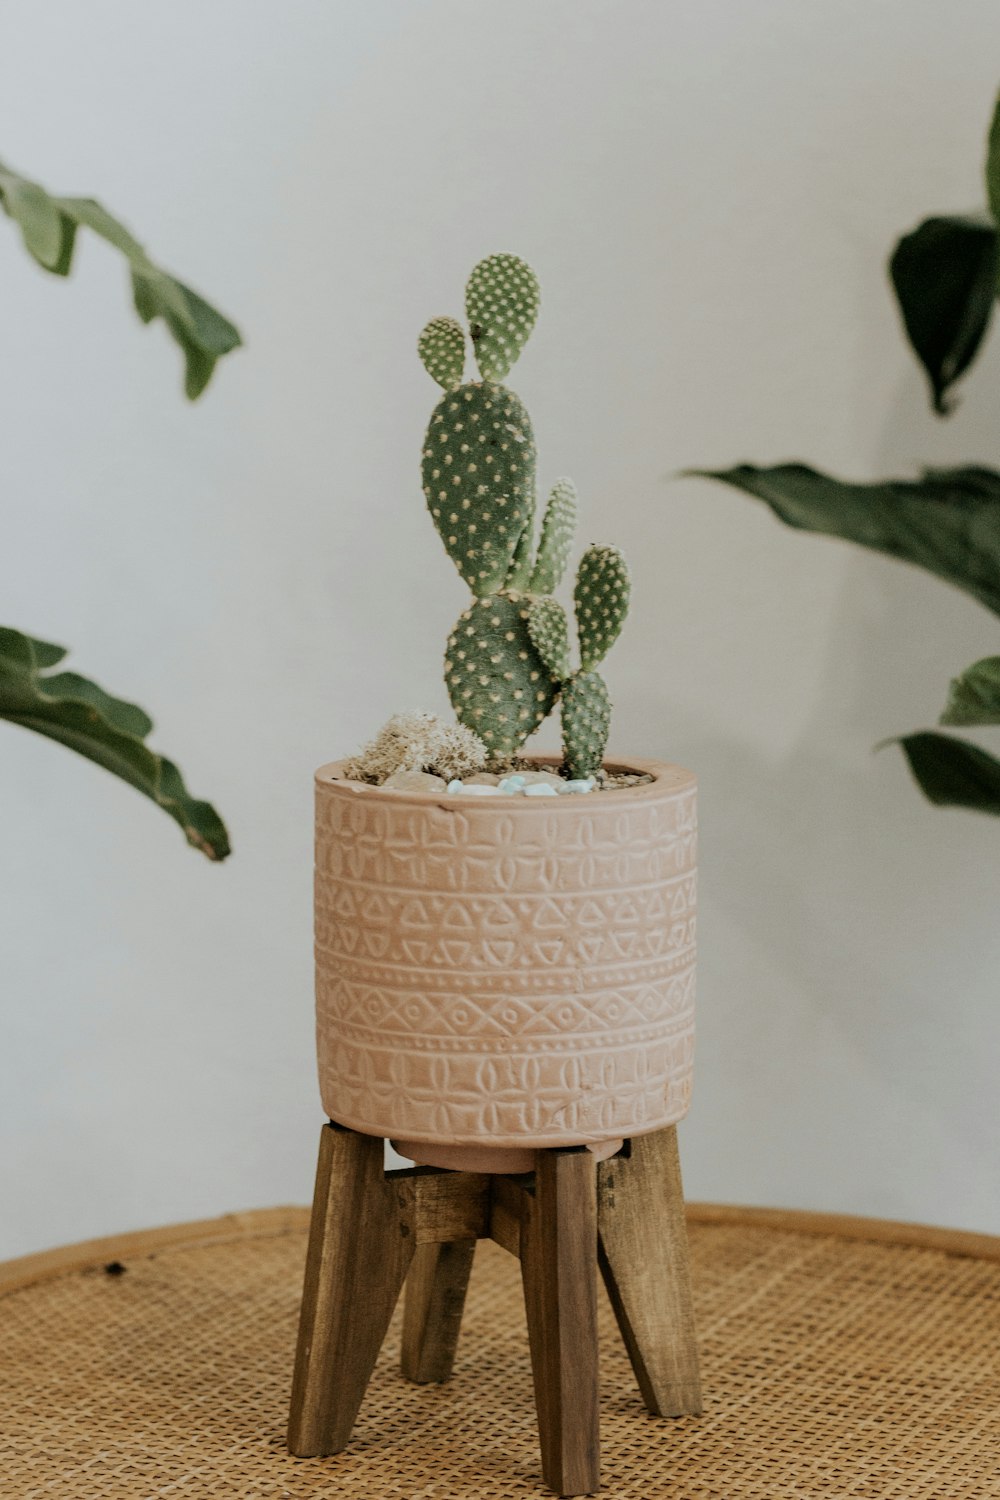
{"x":372,"y":1229}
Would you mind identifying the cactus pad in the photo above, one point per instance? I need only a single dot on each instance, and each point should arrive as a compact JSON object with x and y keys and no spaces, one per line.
{"x":549,"y":631}
{"x":479,"y":479}
{"x":601,"y":598}
{"x":441,"y":347}
{"x":501,"y":303}
{"x":498,"y":685}
{"x":558,"y":526}
{"x":586,"y":720}
{"x":521,"y":564}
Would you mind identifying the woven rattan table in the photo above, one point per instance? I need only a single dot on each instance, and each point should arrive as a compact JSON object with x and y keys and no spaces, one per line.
{"x":840,"y":1357}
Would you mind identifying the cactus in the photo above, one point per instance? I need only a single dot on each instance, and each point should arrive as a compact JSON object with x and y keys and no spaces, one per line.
{"x":501,"y":304}
{"x":586,"y":719}
{"x":600,"y":595}
{"x":441,"y":346}
{"x":549,"y":631}
{"x":601,"y":598}
{"x":508,"y":659}
{"x":556,"y":539}
{"x":479,"y":479}
{"x":497,"y":681}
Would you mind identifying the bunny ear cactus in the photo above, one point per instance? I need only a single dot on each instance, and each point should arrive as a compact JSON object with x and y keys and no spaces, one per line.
{"x":507,"y":659}
{"x":441,"y":346}
{"x":498,"y":683}
{"x":601,"y":596}
{"x":479,"y":479}
{"x":501,"y":304}
{"x":558,"y":526}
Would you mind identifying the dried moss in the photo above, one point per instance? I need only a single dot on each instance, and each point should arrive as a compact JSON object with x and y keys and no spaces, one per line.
{"x":418,"y":742}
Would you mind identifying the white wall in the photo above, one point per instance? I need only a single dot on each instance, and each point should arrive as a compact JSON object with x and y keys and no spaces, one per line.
{"x":708,"y":191}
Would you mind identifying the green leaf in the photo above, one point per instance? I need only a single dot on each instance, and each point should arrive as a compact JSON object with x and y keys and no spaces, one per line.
{"x":948,"y":521}
{"x":974,"y":696}
{"x":953,"y":773}
{"x":40,"y":220}
{"x":945,"y":276}
{"x":49,"y":226}
{"x":107,"y":730}
{"x":993,"y":164}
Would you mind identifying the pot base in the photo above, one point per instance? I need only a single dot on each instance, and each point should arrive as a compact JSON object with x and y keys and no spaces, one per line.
{"x":511,"y":1160}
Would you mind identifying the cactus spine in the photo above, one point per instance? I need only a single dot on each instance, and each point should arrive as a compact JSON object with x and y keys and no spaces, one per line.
{"x":507,"y":659}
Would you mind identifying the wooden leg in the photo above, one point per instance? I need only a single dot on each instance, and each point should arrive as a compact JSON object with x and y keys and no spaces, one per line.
{"x":435,"y":1297}
{"x":357,"y":1259}
{"x":558,"y":1243}
{"x":643,"y":1257}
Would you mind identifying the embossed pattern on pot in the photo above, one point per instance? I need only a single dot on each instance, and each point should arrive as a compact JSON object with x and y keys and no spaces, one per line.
{"x":517,"y":974}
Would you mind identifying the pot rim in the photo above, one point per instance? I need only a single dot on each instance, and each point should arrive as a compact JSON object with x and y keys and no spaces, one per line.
{"x":667,"y":777}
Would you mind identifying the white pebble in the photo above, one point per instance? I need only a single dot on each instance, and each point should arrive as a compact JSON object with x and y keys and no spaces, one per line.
{"x":540,"y":789}
{"x":581,"y":786}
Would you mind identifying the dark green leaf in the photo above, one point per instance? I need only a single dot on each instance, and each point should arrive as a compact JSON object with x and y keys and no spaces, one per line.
{"x":46,"y":654}
{"x":107,"y":730}
{"x":993,"y":164}
{"x":953,"y":773}
{"x":974,"y":697}
{"x":49,"y":228}
{"x":70,"y":687}
{"x":948,"y":521}
{"x":945,"y":276}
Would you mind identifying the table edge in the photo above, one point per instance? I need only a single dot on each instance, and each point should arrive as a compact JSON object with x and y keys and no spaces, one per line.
{"x":43,"y":1265}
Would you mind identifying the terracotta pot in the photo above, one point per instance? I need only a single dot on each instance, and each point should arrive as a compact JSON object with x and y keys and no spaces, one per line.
{"x":498,"y":974}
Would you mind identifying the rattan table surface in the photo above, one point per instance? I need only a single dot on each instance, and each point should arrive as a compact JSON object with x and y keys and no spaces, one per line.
{"x":849,"y":1358}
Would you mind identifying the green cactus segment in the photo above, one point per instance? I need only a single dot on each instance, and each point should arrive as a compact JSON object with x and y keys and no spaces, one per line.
{"x":498,"y":684}
{"x":479,"y":479}
{"x":501,"y":303}
{"x":586,"y":720}
{"x":441,"y":347}
{"x":601,"y":598}
{"x":549,"y":631}
{"x":519,"y":573}
{"x":558,"y":526}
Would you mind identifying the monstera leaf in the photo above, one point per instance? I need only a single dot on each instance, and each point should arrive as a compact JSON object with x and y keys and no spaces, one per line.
{"x":945,"y":276}
{"x":78,"y":713}
{"x":947,"y":521}
{"x":49,"y":225}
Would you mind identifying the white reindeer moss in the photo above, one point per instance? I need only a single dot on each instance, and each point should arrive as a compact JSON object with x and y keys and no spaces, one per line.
{"x":418,"y":742}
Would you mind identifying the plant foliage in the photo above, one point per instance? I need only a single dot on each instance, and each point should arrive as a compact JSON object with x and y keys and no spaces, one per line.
{"x":945,"y":274}
{"x":107,"y":730}
{"x":49,"y":227}
{"x":63,"y":705}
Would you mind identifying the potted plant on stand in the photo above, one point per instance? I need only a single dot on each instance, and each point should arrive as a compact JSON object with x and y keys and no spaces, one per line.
{"x":504,"y":957}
